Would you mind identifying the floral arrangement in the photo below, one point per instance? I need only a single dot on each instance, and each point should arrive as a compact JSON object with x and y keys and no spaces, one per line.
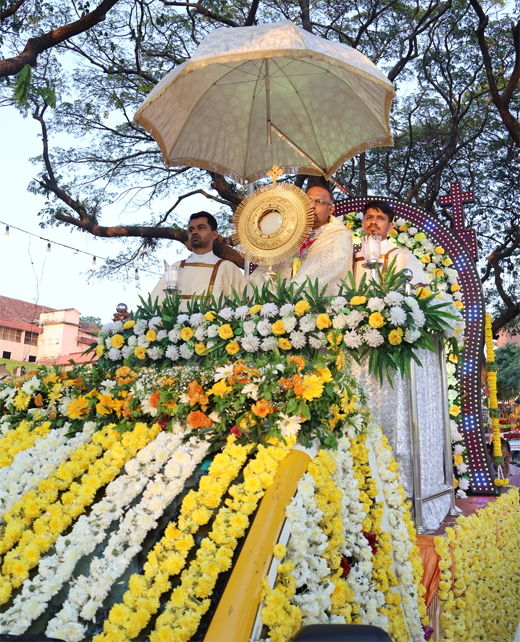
{"x":376,"y":321}
{"x":439,"y":269}
{"x":480,"y":598}
{"x":494,"y":412}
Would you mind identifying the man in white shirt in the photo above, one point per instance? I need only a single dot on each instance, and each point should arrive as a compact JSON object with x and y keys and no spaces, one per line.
{"x":508,"y":470}
{"x":378,"y":219}
{"x":202,"y":272}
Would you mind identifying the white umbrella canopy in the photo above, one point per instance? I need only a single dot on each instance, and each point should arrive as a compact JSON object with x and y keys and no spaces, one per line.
{"x":247,"y":87}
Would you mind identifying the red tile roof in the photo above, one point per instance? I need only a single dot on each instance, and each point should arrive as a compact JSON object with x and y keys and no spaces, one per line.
{"x":21,"y":315}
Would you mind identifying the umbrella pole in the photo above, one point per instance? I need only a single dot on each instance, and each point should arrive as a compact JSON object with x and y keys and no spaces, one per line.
{"x":300,"y":151}
{"x":267,"y":82}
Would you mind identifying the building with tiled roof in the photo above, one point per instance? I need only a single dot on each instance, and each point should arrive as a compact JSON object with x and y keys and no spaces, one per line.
{"x":20,"y":328}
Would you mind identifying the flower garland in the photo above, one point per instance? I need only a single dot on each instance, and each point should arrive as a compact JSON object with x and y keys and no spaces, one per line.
{"x":21,"y":438}
{"x":494,"y":412}
{"x":168,"y":557}
{"x":38,"y":501}
{"x":87,"y":593}
{"x":481,"y":598}
{"x":88,"y":532}
{"x":30,"y":466}
{"x":59,"y":516}
{"x":189,"y":600}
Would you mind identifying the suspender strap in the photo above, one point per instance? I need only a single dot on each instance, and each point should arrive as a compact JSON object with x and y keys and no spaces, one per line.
{"x":214,"y":276}
{"x":212,"y":279}
{"x":385,"y":262}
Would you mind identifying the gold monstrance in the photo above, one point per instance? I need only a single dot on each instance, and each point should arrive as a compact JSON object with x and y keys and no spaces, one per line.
{"x":271,"y":224}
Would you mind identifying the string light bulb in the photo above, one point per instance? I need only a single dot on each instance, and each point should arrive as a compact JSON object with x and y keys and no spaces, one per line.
{"x":94,"y":264}
{"x":137,"y":277}
{"x":49,"y":251}
{"x":6,"y":235}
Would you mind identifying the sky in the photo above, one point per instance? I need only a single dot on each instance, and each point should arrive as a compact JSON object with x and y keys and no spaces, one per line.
{"x":60,"y":280}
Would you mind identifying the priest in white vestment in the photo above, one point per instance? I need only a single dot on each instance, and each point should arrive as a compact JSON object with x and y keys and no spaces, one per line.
{"x":391,"y":406}
{"x":326,"y":255}
{"x":203,"y":272}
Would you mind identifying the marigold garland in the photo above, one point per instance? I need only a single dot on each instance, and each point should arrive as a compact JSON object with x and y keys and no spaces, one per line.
{"x":21,"y":438}
{"x":168,"y":557}
{"x":493,"y":401}
{"x":481,"y":598}
{"x":58,"y":516}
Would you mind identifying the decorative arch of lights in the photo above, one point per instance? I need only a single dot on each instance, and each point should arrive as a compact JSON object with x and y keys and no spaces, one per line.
{"x":460,"y":246}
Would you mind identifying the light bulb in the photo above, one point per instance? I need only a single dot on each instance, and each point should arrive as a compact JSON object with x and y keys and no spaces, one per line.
{"x":6,"y":235}
{"x":136,"y":275}
{"x":94,"y":264}
{"x":49,"y":251}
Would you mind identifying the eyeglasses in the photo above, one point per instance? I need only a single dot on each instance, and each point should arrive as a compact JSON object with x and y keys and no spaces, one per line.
{"x":319,"y":201}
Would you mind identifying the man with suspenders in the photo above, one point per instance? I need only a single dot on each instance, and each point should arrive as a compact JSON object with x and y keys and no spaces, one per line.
{"x":378,"y":219}
{"x":203,"y":271}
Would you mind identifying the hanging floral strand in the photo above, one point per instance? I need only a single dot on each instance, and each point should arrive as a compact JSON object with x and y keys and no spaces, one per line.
{"x":494,"y":412}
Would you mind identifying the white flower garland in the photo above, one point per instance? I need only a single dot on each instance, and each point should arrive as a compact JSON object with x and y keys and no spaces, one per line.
{"x":401,"y":544}
{"x":87,"y":594}
{"x":39,"y":462}
{"x":54,"y":570}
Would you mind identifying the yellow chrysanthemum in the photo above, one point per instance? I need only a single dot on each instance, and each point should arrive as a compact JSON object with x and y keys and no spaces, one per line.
{"x":454,"y":410}
{"x":99,"y":350}
{"x":301,"y":308}
{"x":77,"y":407}
{"x":255,"y":309}
{"x":210,"y":315}
{"x":118,"y":341}
{"x":186,"y":334}
{"x":151,"y":335}
{"x":323,"y":321}
{"x":358,"y":300}
{"x":278,"y":327}
{"x":284,"y":344}
{"x":395,"y":337}
{"x":225,"y":331}
{"x":376,"y":320}
{"x":439,"y":250}
{"x":426,"y":258}
{"x":455,"y":287}
{"x":200,"y":348}
{"x":140,"y":352}
{"x":127,"y":325}
{"x":232,"y":347}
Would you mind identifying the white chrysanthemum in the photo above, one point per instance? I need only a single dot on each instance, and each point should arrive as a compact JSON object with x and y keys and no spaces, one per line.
{"x":462,"y":468}
{"x":142,"y":341}
{"x":140,"y":327}
{"x":307,"y":323}
{"x":393,"y":298}
{"x":185,"y":352}
{"x":174,"y":335}
{"x":355,"y":318}
{"x":403,"y":237}
{"x":352,"y":339}
{"x":114,"y":354}
{"x":213,"y":331}
{"x":418,"y":318}
{"x":463,"y":483}
{"x":412,"y":230}
{"x":108,"y":343}
{"x":269,"y":344}
{"x":427,"y":245}
{"x":437,"y":259}
{"x":155,"y":353}
{"x":453,"y":274}
{"x":461,"y":494}
{"x":162,"y":334}
{"x":457,"y":296}
{"x":458,"y":450}
{"x":430,"y":268}
{"x":242,"y":312}
{"x":269,"y":310}
{"x":226,"y":314}
{"x":286,"y":310}
{"x":338,"y":302}
{"x":339,"y":321}
{"x":289,"y":323}
{"x":397,"y":316}
{"x":410,"y":243}
{"x":127,"y":351}
{"x":375,"y":304}
{"x":155,"y":322}
{"x":182,"y":318}
{"x":319,"y":341}
{"x":373,"y":338}
{"x":264,"y":327}
{"x":298,"y":339}
{"x":400,"y":221}
{"x":200,"y":333}
{"x":249,"y":327}
{"x":196,"y":319}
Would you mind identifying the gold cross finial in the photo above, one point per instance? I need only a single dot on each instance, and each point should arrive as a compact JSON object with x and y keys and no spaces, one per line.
{"x":274,"y":173}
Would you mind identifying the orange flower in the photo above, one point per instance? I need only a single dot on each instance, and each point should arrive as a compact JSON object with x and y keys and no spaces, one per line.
{"x":198,"y":419}
{"x":104,"y":406}
{"x":38,"y":400}
{"x":286,"y":384}
{"x":262,"y":408}
{"x":77,"y":407}
{"x":299,"y":361}
{"x":196,"y":395}
{"x":154,"y":398}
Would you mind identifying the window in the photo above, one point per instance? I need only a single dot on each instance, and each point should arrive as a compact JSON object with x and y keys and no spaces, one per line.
{"x":31,"y":339}
{"x":10,"y":334}
{"x":57,"y":342}
{"x":6,"y":355}
{"x":32,"y":359}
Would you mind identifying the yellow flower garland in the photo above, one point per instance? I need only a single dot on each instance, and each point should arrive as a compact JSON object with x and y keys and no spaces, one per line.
{"x":21,"y":438}
{"x":281,"y":617}
{"x":60,"y":515}
{"x":190,"y":600}
{"x":168,"y":557}
{"x":492,"y":384}
{"x":37,"y":501}
{"x":480,"y":599}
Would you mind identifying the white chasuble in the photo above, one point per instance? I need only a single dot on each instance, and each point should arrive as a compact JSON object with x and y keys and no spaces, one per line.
{"x":327,"y":257}
{"x":203,"y":274}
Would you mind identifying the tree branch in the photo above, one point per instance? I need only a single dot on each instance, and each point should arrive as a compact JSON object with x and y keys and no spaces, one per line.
{"x":36,"y":46}
{"x":10,"y":11}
